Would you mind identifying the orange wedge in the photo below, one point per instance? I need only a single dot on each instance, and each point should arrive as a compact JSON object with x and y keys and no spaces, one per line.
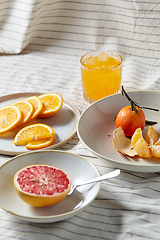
{"x":37,"y":144}
{"x":155,"y":149}
{"x":35,"y":132}
{"x":142,"y":149}
{"x":151,"y":136}
{"x":52,"y":103}
{"x":37,"y":105}
{"x":140,"y":145}
{"x":26,"y":110}
{"x":10,"y":117}
{"x":136,"y":136}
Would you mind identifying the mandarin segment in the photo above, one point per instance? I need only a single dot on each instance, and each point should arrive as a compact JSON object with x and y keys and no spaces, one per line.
{"x":136,"y":136}
{"x":10,"y":118}
{"x":142,"y":148}
{"x":155,"y":149}
{"x":140,"y":145}
{"x":151,"y":136}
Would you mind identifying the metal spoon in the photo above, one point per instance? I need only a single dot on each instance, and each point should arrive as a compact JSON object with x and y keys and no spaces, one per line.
{"x":115,"y":173}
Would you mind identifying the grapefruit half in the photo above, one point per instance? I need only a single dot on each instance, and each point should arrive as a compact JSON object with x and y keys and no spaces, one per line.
{"x":42,"y":185}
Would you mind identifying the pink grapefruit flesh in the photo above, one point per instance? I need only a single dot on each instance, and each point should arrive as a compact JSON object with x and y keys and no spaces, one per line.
{"x":42,"y":185}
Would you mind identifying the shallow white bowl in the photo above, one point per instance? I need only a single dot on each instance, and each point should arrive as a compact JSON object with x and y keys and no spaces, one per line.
{"x":79,"y":170}
{"x":64,"y":123}
{"x":97,"y":123}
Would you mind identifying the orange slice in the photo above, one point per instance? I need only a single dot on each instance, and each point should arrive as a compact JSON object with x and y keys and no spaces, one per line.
{"x":10,"y":117}
{"x":151,"y":136}
{"x":37,"y":105}
{"x":37,"y":144}
{"x":26,"y":109}
{"x":35,"y":132}
{"x":52,"y":103}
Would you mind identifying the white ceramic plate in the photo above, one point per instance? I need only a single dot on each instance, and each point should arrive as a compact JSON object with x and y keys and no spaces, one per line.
{"x":79,"y":170}
{"x":64,"y":123}
{"x":97,"y":123}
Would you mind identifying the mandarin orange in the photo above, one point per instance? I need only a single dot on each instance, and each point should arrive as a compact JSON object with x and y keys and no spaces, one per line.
{"x":129,"y":120}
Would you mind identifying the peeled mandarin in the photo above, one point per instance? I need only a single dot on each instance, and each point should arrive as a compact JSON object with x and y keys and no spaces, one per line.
{"x":142,"y":148}
{"x":136,"y":136}
{"x":151,"y":136}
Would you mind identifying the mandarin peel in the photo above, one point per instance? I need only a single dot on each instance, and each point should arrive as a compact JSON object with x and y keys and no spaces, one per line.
{"x":137,"y":143}
{"x":122,"y":144}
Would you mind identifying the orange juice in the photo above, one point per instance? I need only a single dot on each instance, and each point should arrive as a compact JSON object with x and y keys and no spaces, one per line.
{"x":101,"y":74}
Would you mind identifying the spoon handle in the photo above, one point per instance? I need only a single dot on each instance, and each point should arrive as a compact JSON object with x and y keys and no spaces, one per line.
{"x":102,"y":177}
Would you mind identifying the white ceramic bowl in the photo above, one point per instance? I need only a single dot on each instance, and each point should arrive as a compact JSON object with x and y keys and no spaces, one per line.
{"x":97,"y":123}
{"x":79,"y":170}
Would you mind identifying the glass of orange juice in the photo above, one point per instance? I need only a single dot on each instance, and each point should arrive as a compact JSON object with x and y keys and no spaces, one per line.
{"x":101,"y":74}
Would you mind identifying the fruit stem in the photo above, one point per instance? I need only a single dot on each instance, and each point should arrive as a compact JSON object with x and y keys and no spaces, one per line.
{"x":134,"y":104}
{"x":151,"y":122}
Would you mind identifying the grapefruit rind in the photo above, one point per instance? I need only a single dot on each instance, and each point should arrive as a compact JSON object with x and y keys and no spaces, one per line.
{"x":41,"y":200}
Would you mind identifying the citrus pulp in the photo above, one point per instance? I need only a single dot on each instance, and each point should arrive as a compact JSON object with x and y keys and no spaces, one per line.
{"x":42,"y":185}
{"x":140,"y":145}
{"x":10,"y":117}
{"x":52,"y":103}
{"x":26,"y":110}
{"x":37,"y":105}
{"x":35,"y":132}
